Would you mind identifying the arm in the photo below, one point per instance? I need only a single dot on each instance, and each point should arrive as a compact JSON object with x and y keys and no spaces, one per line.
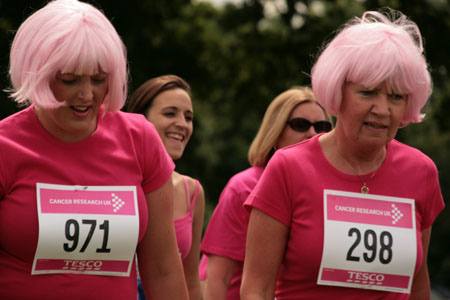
{"x":266,"y":242}
{"x":219,"y":274}
{"x":421,"y":284}
{"x":191,"y":262}
{"x":159,"y":262}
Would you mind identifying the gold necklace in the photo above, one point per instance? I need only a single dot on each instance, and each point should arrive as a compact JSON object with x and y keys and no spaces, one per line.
{"x":364,"y":188}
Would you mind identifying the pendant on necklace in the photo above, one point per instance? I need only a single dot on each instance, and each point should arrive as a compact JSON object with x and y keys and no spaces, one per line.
{"x":364,"y":189}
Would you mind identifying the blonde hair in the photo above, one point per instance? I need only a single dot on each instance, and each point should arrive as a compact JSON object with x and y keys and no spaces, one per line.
{"x":274,"y":122}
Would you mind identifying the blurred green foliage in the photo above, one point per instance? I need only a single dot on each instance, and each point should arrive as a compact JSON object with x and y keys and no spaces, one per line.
{"x":238,"y":58}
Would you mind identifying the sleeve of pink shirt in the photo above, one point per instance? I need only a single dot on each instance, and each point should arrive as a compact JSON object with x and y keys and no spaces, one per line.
{"x":158,"y":166}
{"x":227,"y":228}
{"x":271,"y":194}
{"x":435,"y":203}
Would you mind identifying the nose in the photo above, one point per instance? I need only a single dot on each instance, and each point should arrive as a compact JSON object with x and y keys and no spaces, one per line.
{"x":86,"y":90}
{"x":311,"y":132}
{"x":381,"y":105}
{"x":180,"y":121}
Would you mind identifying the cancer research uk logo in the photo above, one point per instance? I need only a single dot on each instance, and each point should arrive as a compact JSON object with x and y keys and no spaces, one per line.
{"x":87,"y":201}
{"x":373,"y":211}
{"x":396,"y":214}
{"x":117,"y":203}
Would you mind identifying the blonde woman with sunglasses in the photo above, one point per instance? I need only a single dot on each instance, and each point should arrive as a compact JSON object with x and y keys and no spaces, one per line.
{"x":292,"y":117}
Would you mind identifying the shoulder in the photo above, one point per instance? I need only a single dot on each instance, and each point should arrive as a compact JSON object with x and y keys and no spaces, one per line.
{"x":309,"y":146}
{"x":247,"y":174}
{"x":16,"y":120}
{"x":129,"y":126}
{"x":245,"y":180}
{"x":197,"y":196}
{"x":194,"y":185}
{"x":402,"y":153}
{"x":300,"y":160}
{"x":130,"y":121}
{"x":294,"y":156}
{"x":21,"y":129}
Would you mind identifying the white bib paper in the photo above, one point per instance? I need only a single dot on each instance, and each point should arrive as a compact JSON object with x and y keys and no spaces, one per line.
{"x":369,"y":242}
{"x":86,"y":229}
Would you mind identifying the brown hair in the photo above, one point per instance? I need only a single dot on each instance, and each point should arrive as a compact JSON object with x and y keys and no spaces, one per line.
{"x":143,"y":97}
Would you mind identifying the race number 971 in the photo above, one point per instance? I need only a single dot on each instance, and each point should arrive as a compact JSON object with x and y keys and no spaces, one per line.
{"x":72,"y":233}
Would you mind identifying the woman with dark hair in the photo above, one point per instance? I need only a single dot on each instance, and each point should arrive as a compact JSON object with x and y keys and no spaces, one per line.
{"x":165,"y":101}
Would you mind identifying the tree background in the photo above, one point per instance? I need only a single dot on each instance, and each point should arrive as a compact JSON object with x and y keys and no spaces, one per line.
{"x":237,"y":58}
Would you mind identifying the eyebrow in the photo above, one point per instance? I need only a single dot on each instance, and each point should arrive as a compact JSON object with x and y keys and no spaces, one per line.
{"x":176,"y":108}
{"x":75,"y":74}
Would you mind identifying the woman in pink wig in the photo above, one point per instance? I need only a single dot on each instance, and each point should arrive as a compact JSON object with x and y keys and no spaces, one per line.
{"x":348,"y":214}
{"x":83,"y":186}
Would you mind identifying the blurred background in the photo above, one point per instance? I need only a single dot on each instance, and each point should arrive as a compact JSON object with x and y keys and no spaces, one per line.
{"x":238,"y":55}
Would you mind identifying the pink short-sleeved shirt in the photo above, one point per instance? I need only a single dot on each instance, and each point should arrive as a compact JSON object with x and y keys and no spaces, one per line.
{"x":227,"y":229}
{"x":291,"y":191}
{"x":125,"y":150}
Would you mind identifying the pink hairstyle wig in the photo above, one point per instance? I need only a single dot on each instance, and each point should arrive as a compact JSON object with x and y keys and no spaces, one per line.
{"x":66,"y":36}
{"x":372,"y":50}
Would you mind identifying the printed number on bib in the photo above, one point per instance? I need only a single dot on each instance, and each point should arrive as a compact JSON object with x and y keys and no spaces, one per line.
{"x":371,"y":245}
{"x":86,"y":230}
{"x":369,"y":242}
{"x":72,"y":231}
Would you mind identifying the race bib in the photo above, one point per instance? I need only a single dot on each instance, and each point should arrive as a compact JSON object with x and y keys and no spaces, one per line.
{"x":86,"y":229}
{"x":369,"y":242}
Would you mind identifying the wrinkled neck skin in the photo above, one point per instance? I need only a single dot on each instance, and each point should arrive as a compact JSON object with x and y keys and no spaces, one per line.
{"x":351,"y":157}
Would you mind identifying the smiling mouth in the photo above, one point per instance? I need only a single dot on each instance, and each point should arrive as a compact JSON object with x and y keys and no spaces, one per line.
{"x":80,"y":109}
{"x":176,"y":136}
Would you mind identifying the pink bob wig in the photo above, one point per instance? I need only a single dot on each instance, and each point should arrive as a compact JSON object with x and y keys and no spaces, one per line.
{"x":370,"y":50}
{"x":66,"y":36}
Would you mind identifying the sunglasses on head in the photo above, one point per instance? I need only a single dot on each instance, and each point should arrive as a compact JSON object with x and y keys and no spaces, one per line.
{"x":303,"y":125}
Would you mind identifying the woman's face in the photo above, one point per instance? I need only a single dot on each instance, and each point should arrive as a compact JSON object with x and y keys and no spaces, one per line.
{"x":171,"y":113}
{"x":307,"y":110}
{"x":370,"y":117}
{"x":80,"y":97}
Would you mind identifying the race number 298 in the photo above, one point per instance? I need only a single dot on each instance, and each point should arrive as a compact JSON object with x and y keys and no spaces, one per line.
{"x":370,"y":242}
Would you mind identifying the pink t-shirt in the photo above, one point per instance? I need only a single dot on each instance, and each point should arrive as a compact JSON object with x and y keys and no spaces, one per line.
{"x":291,"y":191}
{"x":125,"y":150}
{"x":183,"y":225}
{"x":227,"y":229}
